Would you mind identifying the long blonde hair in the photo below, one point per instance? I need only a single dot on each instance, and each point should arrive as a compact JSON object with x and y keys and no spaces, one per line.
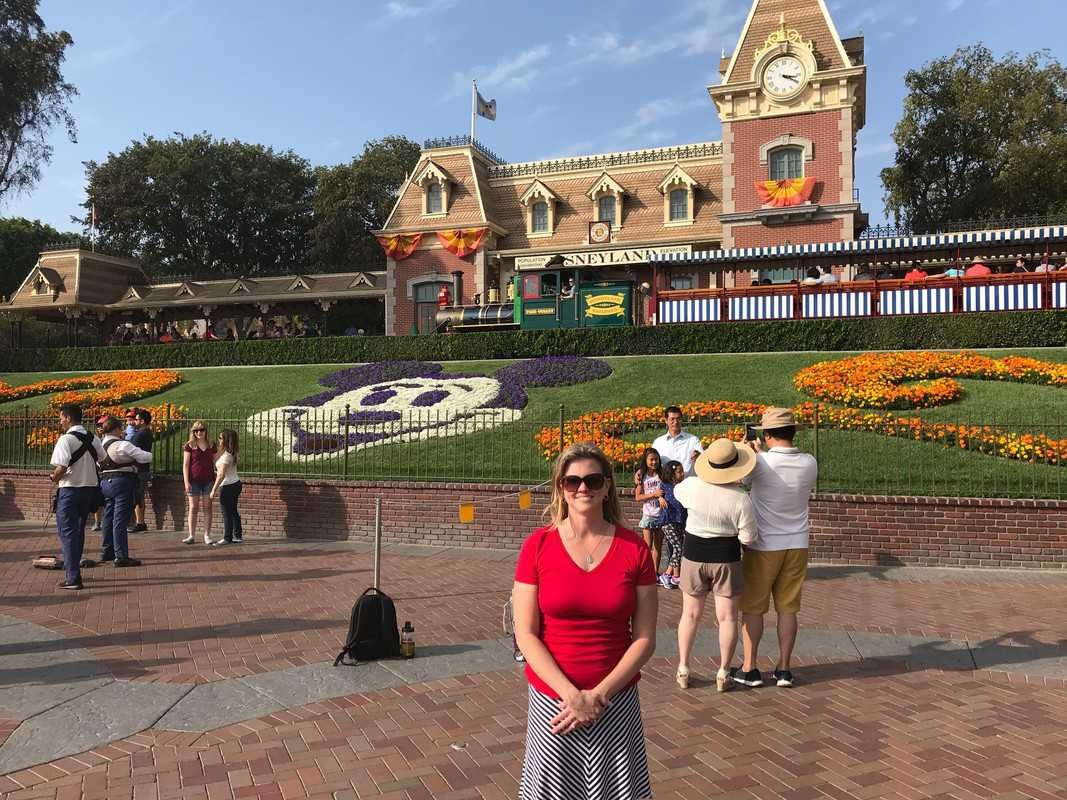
{"x":557,"y":506}
{"x":192,"y":436}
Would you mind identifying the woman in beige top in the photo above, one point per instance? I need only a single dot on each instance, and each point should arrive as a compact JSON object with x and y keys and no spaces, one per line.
{"x":721,"y":519}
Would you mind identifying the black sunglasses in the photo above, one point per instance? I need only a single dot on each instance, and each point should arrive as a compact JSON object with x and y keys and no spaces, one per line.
{"x":595,"y":481}
{"x":199,"y":430}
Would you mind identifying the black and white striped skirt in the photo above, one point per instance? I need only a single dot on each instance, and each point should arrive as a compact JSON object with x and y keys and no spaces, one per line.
{"x":605,"y":761}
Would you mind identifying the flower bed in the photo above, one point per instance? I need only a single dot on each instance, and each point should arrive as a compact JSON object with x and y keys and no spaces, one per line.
{"x":869,"y":381}
{"x":408,"y":401}
{"x":877,"y":380}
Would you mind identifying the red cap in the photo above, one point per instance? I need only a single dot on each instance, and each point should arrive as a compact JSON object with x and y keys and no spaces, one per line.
{"x":131,"y":413}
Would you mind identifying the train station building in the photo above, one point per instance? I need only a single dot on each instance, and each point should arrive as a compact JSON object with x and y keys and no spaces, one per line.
{"x":791,"y":99}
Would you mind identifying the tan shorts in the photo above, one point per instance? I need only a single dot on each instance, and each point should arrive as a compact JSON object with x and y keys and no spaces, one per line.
{"x":777,"y":572}
{"x":722,"y":580}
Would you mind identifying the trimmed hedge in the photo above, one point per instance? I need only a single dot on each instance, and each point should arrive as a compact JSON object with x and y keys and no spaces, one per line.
{"x":1012,"y":329}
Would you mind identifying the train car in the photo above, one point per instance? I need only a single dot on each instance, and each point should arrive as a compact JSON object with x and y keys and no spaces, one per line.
{"x":547,"y":299}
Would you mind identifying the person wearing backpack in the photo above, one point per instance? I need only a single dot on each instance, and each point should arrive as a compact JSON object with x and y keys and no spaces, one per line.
{"x":118,"y":482}
{"x":74,"y":473}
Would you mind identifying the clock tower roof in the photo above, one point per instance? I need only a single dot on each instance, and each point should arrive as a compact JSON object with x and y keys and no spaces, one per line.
{"x":808,"y":17}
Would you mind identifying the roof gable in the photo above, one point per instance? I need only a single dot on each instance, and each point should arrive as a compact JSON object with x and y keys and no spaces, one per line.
{"x":300,"y":284}
{"x":675,"y":176}
{"x":133,"y":293}
{"x":361,"y":279}
{"x":186,"y":289}
{"x":536,"y":190}
{"x":810,"y":18}
{"x":432,"y":172}
{"x":605,"y":183}
{"x":241,"y":286}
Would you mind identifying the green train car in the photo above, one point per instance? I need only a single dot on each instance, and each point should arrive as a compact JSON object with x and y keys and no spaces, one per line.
{"x":546,"y":299}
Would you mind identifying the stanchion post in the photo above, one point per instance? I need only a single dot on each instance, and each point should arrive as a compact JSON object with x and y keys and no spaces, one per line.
{"x":815,"y":444}
{"x":348,"y":413}
{"x":377,"y":541}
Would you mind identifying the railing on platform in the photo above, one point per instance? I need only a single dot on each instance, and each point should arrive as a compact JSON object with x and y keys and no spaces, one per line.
{"x":1031,"y":291}
{"x":947,"y":455}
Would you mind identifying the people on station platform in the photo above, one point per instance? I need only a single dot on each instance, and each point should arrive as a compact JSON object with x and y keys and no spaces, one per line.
{"x":827,"y":276}
{"x":978,"y":269}
{"x":916,"y":273}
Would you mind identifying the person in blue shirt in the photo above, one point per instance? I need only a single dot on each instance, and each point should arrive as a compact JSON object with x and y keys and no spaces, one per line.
{"x":673,"y":519}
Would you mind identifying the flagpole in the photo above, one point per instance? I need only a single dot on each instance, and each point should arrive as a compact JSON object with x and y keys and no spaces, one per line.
{"x":474,"y":106}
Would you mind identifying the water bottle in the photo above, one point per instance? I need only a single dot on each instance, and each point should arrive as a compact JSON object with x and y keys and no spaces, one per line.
{"x":407,"y":641}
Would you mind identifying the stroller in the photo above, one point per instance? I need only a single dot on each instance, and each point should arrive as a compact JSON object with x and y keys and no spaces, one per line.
{"x":508,"y":623}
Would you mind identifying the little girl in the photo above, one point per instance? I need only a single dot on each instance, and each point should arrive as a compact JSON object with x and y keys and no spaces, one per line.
{"x":647,"y":489}
{"x":673,"y":519}
{"x":228,"y":488}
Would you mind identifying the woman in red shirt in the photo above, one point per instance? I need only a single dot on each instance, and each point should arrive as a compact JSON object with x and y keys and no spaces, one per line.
{"x":585,"y":619}
{"x":198,"y":469}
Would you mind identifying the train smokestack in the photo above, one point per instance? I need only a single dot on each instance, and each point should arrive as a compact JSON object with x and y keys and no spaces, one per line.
{"x":457,"y":288}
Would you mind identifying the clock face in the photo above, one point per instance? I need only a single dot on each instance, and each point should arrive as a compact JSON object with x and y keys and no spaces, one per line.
{"x":784,"y":76}
{"x":599,"y":232}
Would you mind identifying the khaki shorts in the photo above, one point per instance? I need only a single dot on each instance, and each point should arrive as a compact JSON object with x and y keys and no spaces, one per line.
{"x":777,"y":572}
{"x":722,"y":580}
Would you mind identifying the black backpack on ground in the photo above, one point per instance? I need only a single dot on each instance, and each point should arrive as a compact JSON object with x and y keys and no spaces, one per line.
{"x":372,"y":629}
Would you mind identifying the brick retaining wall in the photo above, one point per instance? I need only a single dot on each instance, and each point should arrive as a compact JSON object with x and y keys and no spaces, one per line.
{"x":846,"y":529}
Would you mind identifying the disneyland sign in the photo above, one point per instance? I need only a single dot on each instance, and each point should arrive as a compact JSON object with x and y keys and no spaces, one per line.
{"x":604,"y":258}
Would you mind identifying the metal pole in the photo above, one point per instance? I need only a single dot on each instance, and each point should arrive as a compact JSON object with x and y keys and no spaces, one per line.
{"x":561,"y":427}
{"x":377,"y":541}
{"x":815,"y":445}
{"x":348,"y":413}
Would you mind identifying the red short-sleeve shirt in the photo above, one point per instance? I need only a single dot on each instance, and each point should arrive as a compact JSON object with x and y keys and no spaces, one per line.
{"x":585,"y":616}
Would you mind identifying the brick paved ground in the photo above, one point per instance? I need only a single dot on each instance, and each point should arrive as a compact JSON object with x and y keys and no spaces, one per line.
{"x":871,"y":729}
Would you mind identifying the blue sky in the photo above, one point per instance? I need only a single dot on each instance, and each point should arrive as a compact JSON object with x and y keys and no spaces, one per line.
{"x":324,"y":76}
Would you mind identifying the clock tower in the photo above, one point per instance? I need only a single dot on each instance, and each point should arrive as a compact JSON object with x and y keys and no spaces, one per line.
{"x":792,"y":98}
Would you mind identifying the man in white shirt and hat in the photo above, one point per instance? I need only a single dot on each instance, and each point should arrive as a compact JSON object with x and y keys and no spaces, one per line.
{"x":74,"y":473}
{"x":776,"y":563}
{"x":676,"y":444}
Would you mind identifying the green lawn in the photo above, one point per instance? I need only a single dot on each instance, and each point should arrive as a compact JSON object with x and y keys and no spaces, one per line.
{"x":849,"y":461}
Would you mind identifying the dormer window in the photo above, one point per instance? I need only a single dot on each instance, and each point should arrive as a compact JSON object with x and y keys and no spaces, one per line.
{"x":540,"y":203}
{"x":605,"y":211}
{"x":433,"y":198}
{"x":607,"y":196}
{"x":679,"y":194}
{"x":679,"y":205}
{"x":786,"y":163}
{"x":40,"y":286}
{"x":540,"y":218}
{"x":436,"y":187}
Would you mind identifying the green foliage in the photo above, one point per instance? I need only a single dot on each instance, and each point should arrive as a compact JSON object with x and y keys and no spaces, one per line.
{"x":980,"y":138}
{"x":353,"y":199}
{"x":204,"y":205}
{"x":33,"y":95}
{"x":1017,"y":329}
{"x":21,"y":240}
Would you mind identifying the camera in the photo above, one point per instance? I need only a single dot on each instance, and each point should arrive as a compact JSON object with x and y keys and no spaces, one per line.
{"x":751,"y":434}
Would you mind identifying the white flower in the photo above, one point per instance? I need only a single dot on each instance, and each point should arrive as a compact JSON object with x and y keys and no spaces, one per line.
{"x":403,"y":410}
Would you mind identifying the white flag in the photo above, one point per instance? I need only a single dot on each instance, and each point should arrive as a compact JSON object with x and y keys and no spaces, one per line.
{"x":486,"y":109}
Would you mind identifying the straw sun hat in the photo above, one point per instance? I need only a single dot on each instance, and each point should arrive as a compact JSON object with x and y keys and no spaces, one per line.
{"x":778,"y":418}
{"x":725,"y":462}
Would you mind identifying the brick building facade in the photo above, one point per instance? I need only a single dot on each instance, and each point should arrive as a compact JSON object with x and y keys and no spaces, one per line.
{"x":791,"y":99}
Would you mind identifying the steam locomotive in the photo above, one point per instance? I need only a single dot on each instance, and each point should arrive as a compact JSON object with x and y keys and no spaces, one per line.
{"x":543,"y":299}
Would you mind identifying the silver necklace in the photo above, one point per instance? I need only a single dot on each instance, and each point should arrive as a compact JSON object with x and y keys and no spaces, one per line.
{"x":591,"y":553}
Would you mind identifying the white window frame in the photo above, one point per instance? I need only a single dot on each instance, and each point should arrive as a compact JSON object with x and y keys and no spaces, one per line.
{"x":677,"y":178}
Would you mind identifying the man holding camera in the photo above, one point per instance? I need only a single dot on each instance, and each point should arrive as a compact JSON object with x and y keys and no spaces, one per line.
{"x":776,"y":563}
{"x":74,"y":473}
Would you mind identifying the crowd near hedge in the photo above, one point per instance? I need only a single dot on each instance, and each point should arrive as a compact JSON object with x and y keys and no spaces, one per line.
{"x":1014,"y":329}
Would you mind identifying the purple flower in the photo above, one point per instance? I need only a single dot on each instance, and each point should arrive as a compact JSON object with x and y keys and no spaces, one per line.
{"x":430,"y":398}
{"x":377,"y":398}
{"x":375,"y":374}
{"x":357,"y":417}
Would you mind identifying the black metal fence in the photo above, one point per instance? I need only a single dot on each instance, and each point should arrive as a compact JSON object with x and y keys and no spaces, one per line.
{"x":988,"y":457}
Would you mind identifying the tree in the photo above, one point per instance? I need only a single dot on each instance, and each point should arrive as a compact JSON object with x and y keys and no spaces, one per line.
{"x":353,"y":199}
{"x":21,"y":241}
{"x":980,"y":139}
{"x":33,"y":94}
{"x":203,"y":205}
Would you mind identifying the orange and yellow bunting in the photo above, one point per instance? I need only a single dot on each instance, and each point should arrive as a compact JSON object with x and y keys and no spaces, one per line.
{"x":400,"y":245}
{"x":782,"y":194}
{"x":462,"y":241}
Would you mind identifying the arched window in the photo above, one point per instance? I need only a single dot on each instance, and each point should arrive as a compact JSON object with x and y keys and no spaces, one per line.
{"x":787,"y":163}
{"x":540,"y":217}
{"x":433,"y":199}
{"x":679,"y":204}
{"x":606,"y":209}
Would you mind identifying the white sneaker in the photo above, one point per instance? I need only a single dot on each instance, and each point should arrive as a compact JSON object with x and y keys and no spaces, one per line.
{"x":208,"y":540}
{"x":188,"y":540}
{"x":219,"y":542}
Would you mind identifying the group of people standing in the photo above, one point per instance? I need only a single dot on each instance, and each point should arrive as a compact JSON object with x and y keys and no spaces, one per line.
{"x":109,"y":473}
{"x":734,"y":519}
